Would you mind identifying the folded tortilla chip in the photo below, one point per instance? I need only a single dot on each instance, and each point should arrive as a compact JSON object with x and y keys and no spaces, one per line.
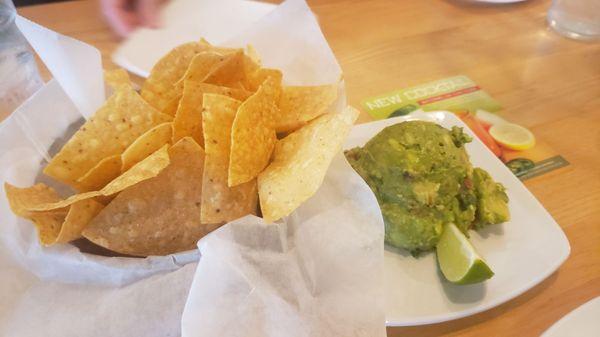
{"x":221,"y":203}
{"x":188,"y":120}
{"x":47,"y":224}
{"x":201,"y":67}
{"x":256,"y":78}
{"x":253,"y":55}
{"x":300,"y":162}
{"x":158,"y":216}
{"x":299,"y":105}
{"x":171,"y":107}
{"x":250,"y":67}
{"x":54,"y":226}
{"x":78,"y":217}
{"x":167,"y":71}
{"x":121,"y":120}
{"x":145,"y":169}
{"x":21,"y":200}
{"x":253,"y":137}
{"x":98,"y":176}
{"x":146,"y":145}
{"x":217,"y":49}
{"x":148,"y":168}
{"x":229,"y":72}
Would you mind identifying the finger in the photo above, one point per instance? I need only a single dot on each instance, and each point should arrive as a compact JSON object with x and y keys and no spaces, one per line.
{"x":148,"y":12}
{"x":119,"y":16}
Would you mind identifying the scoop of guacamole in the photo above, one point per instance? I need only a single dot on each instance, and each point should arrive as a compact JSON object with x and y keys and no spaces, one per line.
{"x":422,"y":178}
{"x":492,"y":201}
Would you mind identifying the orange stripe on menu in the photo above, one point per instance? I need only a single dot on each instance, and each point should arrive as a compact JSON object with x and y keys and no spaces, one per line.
{"x":449,"y":95}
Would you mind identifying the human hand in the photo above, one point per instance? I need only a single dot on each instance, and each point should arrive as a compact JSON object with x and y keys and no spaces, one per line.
{"x":125,"y":15}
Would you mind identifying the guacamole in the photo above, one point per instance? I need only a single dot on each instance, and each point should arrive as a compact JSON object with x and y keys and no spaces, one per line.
{"x":492,"y":201}
{"x":422,"y":178}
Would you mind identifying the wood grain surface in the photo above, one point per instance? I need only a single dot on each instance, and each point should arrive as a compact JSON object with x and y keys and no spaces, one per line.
{"x":546,"y":82}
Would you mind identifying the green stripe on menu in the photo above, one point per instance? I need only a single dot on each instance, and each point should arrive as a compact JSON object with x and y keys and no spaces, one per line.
{"x":544,"y":166}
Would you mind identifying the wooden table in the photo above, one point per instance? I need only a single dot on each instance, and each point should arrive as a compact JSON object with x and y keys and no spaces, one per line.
{"x":548,"y":83}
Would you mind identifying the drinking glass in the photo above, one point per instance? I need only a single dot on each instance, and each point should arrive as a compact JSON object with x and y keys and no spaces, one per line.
{"x":19,"y":75}
{"x":577,"y":19}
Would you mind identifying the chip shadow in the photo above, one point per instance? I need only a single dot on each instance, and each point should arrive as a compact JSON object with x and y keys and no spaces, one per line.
{"x":87,"y":247}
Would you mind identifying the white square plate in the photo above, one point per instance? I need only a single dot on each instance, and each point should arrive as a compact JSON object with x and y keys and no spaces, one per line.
{"x":582,"y":321}
{"x":521,"y":252}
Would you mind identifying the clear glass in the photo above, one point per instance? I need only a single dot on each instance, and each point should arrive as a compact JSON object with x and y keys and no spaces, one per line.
{"x":577,"y":19}
{"x":19,"y":75}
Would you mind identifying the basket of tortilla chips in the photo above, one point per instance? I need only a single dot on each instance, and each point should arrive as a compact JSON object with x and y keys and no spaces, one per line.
{"x":212,"y":136}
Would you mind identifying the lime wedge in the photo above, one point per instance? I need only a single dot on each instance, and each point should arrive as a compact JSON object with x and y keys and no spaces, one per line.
{"x":458,"y":260}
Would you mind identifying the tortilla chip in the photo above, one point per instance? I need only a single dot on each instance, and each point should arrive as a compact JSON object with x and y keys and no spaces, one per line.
{"x":228,"y":72}
{"x":253,"y":55}
{"x":299,"y":105}
{"x":252,"y":135}
{"x":98,"y":176}
{"x":167,"y":71}
{"x":201,"y":67}
{"x":21,"y":200}
{"x":250,"y":67}
{"x":146,"y":145}
{"x":217,"y":49}
{"x":238,"y":86}
{"x":271,"y":89}
{"x":257,"y":78}
{"x":146,"y":169}
{"x":60,"y":225}
{"x":171,"y":107}
{"x":221,"y":203}
{"x":116,"y":78}
{"x":47,"y":223}
{"x":124,"y":117}
{"x":188,"y":120}
{"x":79,"y":216}
{"x":300,"y":162}
{"x":159,"y":216}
